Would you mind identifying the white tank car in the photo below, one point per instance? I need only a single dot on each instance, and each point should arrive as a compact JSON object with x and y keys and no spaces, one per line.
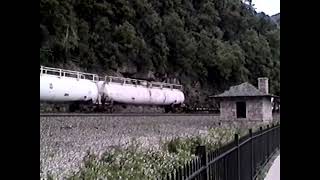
{"x":57,"y":85}
{"x":127,"y":94}
{"x":132,"y":91}
{"x":174,"y":96}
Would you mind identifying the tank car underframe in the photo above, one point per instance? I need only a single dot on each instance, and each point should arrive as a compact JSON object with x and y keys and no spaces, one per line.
{"x":108,"y":107}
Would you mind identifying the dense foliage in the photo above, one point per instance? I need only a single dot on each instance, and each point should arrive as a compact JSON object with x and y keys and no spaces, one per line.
{"x":207,"y":44}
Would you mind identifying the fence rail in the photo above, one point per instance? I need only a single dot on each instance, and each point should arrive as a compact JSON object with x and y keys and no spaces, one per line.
{"x":241,"y":159}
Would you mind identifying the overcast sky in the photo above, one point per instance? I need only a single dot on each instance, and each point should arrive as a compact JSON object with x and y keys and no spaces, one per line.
{"x":269,"y":7}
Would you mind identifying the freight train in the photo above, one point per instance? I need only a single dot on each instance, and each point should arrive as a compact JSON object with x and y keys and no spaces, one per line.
{"x":93,"y":93}
{"x":86,"y":92}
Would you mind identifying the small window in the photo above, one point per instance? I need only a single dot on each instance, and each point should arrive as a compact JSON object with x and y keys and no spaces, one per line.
{"x":241,"y":109}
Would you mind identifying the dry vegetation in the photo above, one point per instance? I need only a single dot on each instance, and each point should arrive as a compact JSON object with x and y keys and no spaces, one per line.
{"x":130,"y":147}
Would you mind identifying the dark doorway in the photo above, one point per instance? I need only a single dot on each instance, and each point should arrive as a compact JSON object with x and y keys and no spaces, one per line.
{"x":241,"y":110}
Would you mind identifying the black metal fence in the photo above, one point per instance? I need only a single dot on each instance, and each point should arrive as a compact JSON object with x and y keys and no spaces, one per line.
{"x":239,"y":160}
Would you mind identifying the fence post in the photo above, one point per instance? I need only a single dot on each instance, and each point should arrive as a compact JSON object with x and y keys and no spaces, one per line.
{"x":236,"y":139}
{"x":251,"y":154}
{"x":202,"y":152}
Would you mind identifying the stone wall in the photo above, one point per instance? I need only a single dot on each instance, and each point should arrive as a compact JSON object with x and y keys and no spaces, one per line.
{"x":267,"y":109}
{"x":257,"y":109}
{"x":254,"y":109}
{"x":228,"y":110}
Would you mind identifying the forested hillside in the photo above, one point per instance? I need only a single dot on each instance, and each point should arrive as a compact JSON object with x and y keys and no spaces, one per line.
{"x":276,"y":18}
{"x":207,"y":45}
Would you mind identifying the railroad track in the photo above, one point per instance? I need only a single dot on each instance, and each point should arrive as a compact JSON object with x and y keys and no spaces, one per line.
{"x":123,"y":114}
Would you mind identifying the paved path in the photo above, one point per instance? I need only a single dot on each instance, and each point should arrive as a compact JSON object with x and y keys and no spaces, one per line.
{"x":274,"y":172}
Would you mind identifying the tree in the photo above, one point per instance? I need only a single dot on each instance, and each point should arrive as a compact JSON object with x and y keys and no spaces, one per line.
{"x":212,"y":42}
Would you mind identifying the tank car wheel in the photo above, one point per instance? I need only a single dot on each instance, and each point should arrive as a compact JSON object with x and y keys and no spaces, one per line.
{"x":56,"y":108}
{"x":72,"y":108}
{"x":96,"y":109}
{"x":179,"y":110}
{"x":82,"y":108}
{"x":167,"y":109}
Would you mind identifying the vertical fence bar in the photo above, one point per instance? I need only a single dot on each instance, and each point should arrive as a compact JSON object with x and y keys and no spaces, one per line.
{"x":180,"y":173}
{"x":177,"y":174}
{"x":187,"y":169}
{"x":218,"y":166}
{"x":260,"y":146}
{"x":251,"y":155}
{"x":225,"y":168}
{"x":272,"y":142}
{"x":268,"y":141}
{"x":263,"y":145}
{"x":172,"y":177}
{"x":192,"y":166}
{"x":275,"y":137}
{"x":271,"y":137}
{"x":278,"y":138}
{"x":202,"y":152}
{"x":211,"y":171}
{"x":214,"y":167}
{"x":198,"y":166}
{"x":236,"y":139}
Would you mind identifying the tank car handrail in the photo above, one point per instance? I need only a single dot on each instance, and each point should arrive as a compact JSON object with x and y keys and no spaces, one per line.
{"x":172,"y":86}
{"x":46,"y":69}
{"x":94,"y":77}
{"x":126,"y":80}
{"x":65,"y":73}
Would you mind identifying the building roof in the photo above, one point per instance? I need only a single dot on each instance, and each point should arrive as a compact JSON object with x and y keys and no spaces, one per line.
{"x":243,"y":90}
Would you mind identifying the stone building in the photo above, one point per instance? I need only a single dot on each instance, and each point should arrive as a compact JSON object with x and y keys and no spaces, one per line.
{"x":246,"y":102}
